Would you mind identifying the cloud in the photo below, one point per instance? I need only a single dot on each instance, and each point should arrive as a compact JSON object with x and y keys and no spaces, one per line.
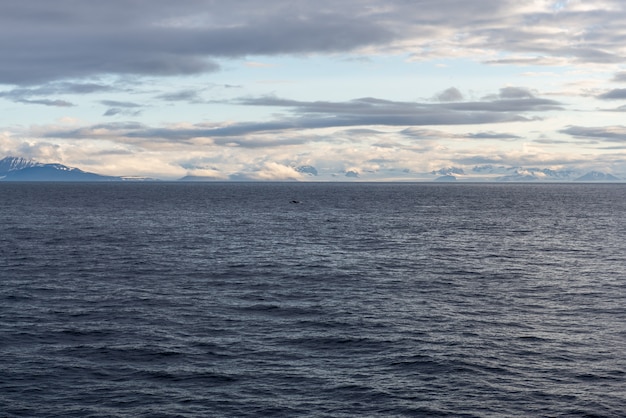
{"x":374,"y":111}
{"x":619,"y":77}
{"x":384,"y":153}
{"x":615,"y":94}
{"x":119,"y":108}
{"x":492,"y":135}
{"x":46,"y":102}
{"x":319,"y":115}
{"x":269,"y":171}
{"x":509,"y":105}
{"x":113,"y":111}
{"x":605,"y":133}
{"x":161,"y":39}
{"x":435,"y":134}
{"x":26,"y":95}
{"x":528,"y":61}
{"x":420,"y":133}
{"x":44,"y":41}
{"x":451,"y":94}
{"x":511,"y":93}
{"x":183,"y":95}
{"x":116,"y":103}
{"x":256,"y":64}
{"x":57,"y":88}
{"x":311,"y":115}
{"x":617,"y":109}
{"x":57,"y":53}
{"x":515,"y":93}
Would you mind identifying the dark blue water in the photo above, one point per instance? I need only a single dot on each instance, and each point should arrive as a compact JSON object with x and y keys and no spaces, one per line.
{"x":166,"y":300}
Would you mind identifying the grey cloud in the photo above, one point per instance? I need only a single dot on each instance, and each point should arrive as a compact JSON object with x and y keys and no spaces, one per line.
{"x":419,"y":133}
{"x":516,"y":93}
{"x":539,"y":60}
{"x":620,"y":77}
{"x":511,"y":93}
{"x":599,"y":42}
{"x":136,"y":130}
{"x":433,"y":134}
{"x":492,"y":135}
{"x":113,"y":128}
{"x":617,"y":109}
{"x":368,"y":106}
{"x":241,"y":129}
{"x":119,"y":111}
{"x":356,"y":113}
{"x":43,"y":40}
{"x":260,"y":143}
{"x":79,"y":88}
{"x":183,"y":95}
{"x":449,"y":95}
{"x":76,"y":40}
{"x":596,"y":56}
{"x":46,"y":102}
{"x":25,"y":95}
{"x":606,"y":133}
{"x":362,"y":131}
{"x":551,"y":141}
{"x":382,"y":161}
{"x":510,"y":105}
{"x":614,"y":94}
{"x":479,"y":160}
{"x":86,"y":60}
{"x":56,"y":89}
{"x":112,"y":112}
{"x":118,"y":108}
{"x":115,"y":103}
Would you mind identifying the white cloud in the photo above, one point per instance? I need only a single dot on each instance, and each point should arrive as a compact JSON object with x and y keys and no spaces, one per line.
{"x":256,"y":64}
{"x":268,"y":171}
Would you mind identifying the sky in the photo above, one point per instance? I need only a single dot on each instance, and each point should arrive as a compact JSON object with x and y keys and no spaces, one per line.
{"x":368,"y":89}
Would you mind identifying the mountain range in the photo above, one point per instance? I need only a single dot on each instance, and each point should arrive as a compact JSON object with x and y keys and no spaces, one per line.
{"x":521,"y":174}
{"x":22,"y":169}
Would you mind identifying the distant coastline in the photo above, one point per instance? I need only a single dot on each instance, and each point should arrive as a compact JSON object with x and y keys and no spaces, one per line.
{"x":19,"y":169}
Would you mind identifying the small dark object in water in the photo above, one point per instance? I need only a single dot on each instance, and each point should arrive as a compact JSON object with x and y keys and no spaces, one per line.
{"x":295,"y":201}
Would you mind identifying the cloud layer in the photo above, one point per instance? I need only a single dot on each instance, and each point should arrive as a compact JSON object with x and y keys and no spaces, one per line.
{"x":44,"y":41}
{"x":136,"y":87}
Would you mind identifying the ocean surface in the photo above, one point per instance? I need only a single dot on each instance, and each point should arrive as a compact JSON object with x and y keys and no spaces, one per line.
{"x":390,"y":300}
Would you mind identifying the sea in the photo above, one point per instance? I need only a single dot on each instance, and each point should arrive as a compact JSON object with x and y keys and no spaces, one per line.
{"x":312,"y":300}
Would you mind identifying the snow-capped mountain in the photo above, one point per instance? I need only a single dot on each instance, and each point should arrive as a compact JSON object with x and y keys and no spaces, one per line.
{"x":9,"y":164}
{"x":545,"y":174}
{"x":597,"y":176}
{"x":307,"y":169}
{"x":501,"y":173}
{"x":448,"y":171}
{"x":21,"y":169}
